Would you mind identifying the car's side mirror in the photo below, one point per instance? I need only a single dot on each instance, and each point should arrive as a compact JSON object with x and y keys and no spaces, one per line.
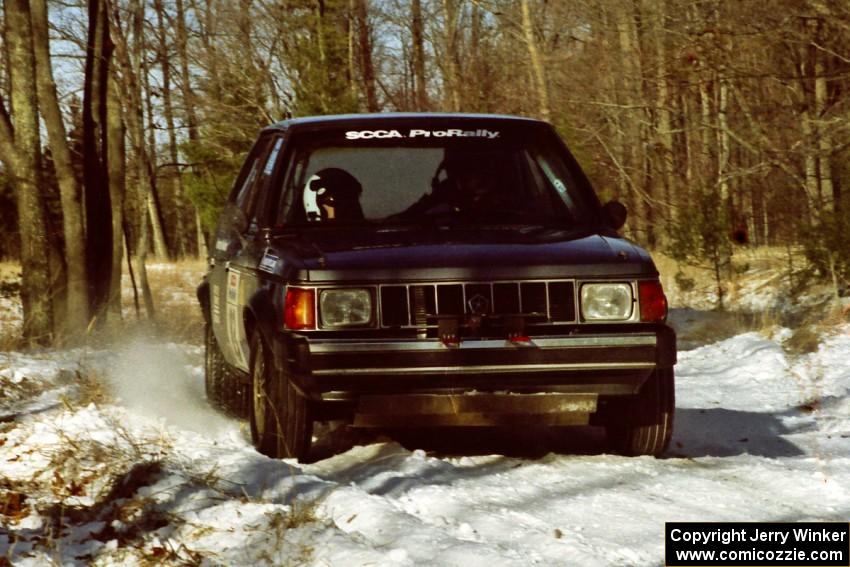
{"x":614,"y":213}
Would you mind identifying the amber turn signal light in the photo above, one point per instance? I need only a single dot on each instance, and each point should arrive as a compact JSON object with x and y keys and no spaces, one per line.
{"x":653,"y":302}
{"x":299,"y":310}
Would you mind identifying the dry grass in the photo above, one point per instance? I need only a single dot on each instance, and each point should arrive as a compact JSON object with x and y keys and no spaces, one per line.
{"x":300,"y":514}
{"x":10,"y":322}
{"x":87,"y":480}
{"x":760,"y":273}
{"x":10,"y":338}
{"x":177,"y":315}
{"x":9,"y":270}
{"x":683,"y":281}
{"x":814,"y":323}
{"x":712,"y":326}
{"x":89,"y":388}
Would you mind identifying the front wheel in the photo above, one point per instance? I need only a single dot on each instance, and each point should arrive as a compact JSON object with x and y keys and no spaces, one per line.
{"x":281,"y":418}
{"x":643,"y":424}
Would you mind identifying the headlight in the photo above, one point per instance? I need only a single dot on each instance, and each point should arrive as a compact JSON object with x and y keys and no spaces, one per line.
{"x":606,"y":301}
{"x":345,"y":307}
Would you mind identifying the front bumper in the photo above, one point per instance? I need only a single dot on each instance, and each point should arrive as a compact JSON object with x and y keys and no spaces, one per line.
{"x":610,"y":363}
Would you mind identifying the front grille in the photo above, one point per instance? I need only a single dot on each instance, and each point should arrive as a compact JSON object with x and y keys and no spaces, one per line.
{"x":423,"y":304}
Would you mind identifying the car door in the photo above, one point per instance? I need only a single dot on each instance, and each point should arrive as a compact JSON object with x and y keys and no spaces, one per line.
{"x":242,"y":273}
{"x":229,"y":242}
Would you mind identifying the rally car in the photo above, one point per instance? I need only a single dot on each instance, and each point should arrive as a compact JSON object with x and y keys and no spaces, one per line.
{"x":430,"y":270}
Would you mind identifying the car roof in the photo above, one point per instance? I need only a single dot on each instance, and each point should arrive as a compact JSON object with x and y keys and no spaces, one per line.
{"x":386,"y":118}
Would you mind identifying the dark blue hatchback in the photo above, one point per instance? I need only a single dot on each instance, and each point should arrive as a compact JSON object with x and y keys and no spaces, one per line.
{"x":430,"y":270}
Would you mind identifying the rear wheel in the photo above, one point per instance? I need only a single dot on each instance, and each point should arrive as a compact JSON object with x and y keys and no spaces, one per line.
{"x":226,"y":390}
{"x":643,"y":424}
{"x":281,"y":418}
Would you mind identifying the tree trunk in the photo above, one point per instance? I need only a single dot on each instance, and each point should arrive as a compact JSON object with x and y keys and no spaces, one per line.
{"x":640,"y":133}
{"x":21,"y":151}
{"x":705,"y":129}
{"x":95,"y":156}
{"x":323,"y":51}
{"x":141,"y":263}
{"x":418,"y":56}
{"x":131,"y":93}
{"x":352,"y":50}
{"x":810,"y":167}
{"x":116,"y":160}
{"x":724,"y":145}
{"x":450,"y":56}
{"x":364,"y":35}
{"x":76,"y":315}
{"x":188,"y":107}
{"x":630,"y":95}
{"x":476,"y":83}
{"x":663,"y":125}
{"x":726,"y":201}
{"x":168,"y":112}
{"x":536,"y":61}
{"x":203,"y":252}
{"x":153,"y":203}
{"x":153,"y":208}
{"x":185,"y":81}
{"x":827,"y":195}
{"x":207,"y":32}
{"x":689,"y":121}
{"x":810,"y":163}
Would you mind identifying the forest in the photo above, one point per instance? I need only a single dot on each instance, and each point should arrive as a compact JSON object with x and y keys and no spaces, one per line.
{"x":720,"y":124}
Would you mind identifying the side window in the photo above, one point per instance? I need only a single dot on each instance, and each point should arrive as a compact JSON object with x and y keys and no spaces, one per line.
{"x":540,"y":185}
{"x":245,"y":180}
{"x":252,"y":184}
{"x":256,"y":203}
{"x":232,"y":219}
{"x":559,"y":178}
{"x":292,"y":179}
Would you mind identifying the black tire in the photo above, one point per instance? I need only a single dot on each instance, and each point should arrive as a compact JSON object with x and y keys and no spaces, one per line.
{"x":643,"y":424}
{"x":281,"y":418}
{"x":214,"y":368}
{"x":226,"y":389}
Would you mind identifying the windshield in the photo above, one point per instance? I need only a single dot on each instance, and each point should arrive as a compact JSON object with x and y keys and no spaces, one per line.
{"x":475,"y":180}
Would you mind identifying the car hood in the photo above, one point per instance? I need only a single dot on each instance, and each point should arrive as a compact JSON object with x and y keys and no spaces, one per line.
{"x":442,"y":255}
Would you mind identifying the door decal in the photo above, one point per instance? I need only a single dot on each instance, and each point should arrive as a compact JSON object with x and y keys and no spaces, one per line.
{"x":268,"y":263}
{"x":232,"y":287}
{"x":215,"y":296}
{"x":235,"y":303}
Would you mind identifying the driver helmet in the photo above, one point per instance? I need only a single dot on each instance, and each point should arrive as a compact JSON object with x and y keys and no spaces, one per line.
{"x":332,"y":194}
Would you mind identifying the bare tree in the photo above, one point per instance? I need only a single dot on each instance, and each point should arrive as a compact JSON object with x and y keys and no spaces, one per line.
{"x":168,"y":114}
{"x":367,"y":69}
{"x":449,"y":64}
{"x":536,"y":60}
{"x":419,"y":80}
{"x":116,"y":170}
{"x":20,"y":149}
{"x":134,"y":118}
{"x":95,"y":157}
{"x":77,"y":294}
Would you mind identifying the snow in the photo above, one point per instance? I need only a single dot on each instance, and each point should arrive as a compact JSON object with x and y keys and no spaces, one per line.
{"x":145,"y":472}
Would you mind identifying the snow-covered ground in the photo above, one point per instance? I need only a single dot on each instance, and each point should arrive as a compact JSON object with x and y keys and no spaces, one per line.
{"x":113,"y":457}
